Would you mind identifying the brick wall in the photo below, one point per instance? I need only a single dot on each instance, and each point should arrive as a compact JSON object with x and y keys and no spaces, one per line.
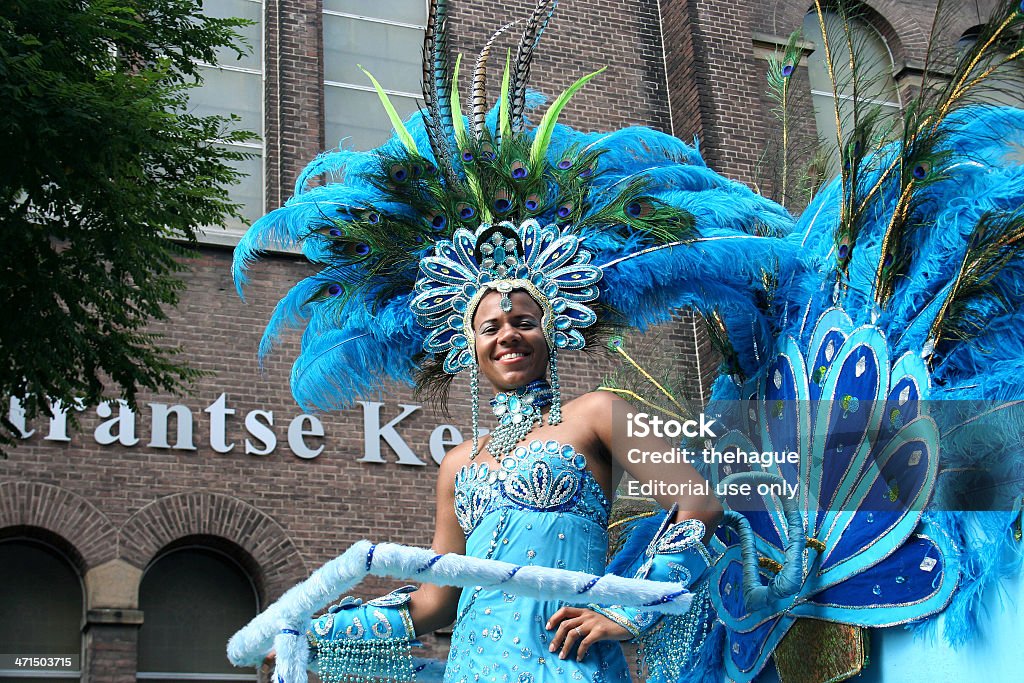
{"x":714,"y":86}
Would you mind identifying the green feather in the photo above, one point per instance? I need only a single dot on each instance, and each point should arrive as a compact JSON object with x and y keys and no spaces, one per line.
{"x":326,"y":295}
{"x":476,"y":193}
{"x":542,"y":136}
{"x":718,"y":336}
{"x":396,"y":120}
{"x":505,"y":122}
{"x":457,"y":122}
{"x":995,"y":241}
{"x":632,"y":211}
{"x":788,"y":161}
{"x":975,"y":77}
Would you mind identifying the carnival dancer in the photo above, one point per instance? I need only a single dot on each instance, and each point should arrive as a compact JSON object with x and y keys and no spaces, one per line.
{"x":537,"y":492}
{"x":465,"y":239}
{"x":485,"y":246}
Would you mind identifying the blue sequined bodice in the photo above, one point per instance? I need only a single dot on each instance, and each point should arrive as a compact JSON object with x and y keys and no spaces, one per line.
{"x":540,"y":506}
{"x":543,"y":476}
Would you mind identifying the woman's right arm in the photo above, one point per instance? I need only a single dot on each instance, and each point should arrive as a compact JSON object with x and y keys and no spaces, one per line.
{"x":432,"y":606}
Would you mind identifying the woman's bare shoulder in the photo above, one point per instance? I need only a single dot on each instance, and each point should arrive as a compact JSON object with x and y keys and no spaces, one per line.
{"x":589,"y":418}
{"x":455,"y":459}
{"x":592,"y":404}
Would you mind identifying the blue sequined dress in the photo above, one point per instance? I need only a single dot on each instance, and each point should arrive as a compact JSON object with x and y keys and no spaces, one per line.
{"x":539,"y":506}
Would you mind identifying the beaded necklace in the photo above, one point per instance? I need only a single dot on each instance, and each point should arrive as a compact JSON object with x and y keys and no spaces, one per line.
{"x":518,"y":412}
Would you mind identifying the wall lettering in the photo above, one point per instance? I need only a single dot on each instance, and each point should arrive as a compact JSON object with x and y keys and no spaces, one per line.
{"x":120,"y":425}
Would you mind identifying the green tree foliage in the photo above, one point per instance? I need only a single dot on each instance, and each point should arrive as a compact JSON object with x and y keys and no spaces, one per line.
{"x":105,"y":177}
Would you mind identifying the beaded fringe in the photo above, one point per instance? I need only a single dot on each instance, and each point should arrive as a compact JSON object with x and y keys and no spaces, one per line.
{"x":474,"y":393}
{"x":555,"y":416}
{"x":671,"y":649}
{"x":365,"y":661}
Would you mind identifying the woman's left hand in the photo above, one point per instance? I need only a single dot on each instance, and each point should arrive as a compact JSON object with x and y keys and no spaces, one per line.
{"x":582,"y":628}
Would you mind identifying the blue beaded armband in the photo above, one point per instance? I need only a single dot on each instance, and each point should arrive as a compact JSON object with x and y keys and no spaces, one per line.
{"x":354,"y":641}
{"x":676,"y":554}
{"x":633,"y":619}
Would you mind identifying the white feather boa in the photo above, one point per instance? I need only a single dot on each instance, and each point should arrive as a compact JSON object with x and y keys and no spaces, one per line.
{"x":277,"y":625}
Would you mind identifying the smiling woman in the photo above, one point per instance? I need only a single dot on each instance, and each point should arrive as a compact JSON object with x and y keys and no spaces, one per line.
{"x":510,"y":345}
{"x":536,"y":490}
{"x":503,"y":301}
{"x":498,"y":229}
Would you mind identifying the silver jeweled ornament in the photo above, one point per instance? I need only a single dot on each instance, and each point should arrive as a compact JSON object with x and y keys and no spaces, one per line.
{"x":518,"y":412}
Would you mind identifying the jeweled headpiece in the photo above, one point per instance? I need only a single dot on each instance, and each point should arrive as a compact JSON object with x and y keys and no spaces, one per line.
{"x":542,"y":261}
{"x":546,"y":264}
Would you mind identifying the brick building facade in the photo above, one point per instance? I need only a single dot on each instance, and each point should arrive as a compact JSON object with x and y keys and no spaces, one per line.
{"x":284,"y":498}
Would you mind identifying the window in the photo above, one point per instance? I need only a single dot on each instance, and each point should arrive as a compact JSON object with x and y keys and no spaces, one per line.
{"x":875,"y":65}
{"x":193,"y":600}
{"x":235,"y":86}
{"x":1005,"y":85}
{"x":42,"y":600}
{"x":385,"y":38}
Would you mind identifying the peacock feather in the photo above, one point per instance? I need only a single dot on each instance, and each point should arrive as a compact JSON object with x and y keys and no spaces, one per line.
{"x":789,"y":166}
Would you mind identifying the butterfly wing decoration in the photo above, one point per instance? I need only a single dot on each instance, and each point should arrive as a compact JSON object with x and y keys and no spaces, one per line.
{"x":868,"y":465}
{"x":895,"y":368}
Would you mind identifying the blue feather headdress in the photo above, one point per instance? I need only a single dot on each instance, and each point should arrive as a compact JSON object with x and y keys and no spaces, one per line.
{"x":640,"y":206}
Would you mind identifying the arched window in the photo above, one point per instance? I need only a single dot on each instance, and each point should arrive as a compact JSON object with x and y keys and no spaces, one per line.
{"x":42,"y":602}
{"x":1004,"y":87}
{"x":875,"y":66}
{"x":193,"y":600}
